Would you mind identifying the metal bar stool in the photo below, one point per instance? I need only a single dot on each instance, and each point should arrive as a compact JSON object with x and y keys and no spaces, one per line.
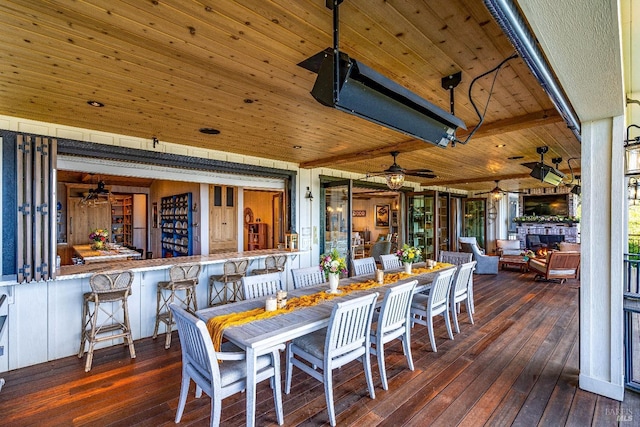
{"x":272,"y":263}
{"x":233,"y":272}
{"x":181,"y":278}
{"x":106,"y":288}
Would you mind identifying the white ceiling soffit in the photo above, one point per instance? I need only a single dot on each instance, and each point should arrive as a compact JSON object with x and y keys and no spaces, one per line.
{"x":581,"y":40}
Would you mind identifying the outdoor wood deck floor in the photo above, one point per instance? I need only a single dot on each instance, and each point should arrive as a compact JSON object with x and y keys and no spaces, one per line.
{"x":518,"y":365}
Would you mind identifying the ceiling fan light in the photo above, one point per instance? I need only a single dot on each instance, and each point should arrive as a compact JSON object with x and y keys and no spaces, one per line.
{"x":395,"y":180}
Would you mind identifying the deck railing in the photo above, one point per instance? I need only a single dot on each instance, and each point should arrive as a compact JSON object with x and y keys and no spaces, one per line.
{"x":632,"y":319}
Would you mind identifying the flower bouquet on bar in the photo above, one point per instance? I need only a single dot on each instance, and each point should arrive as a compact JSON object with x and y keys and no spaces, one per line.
{"x":98,"y":238}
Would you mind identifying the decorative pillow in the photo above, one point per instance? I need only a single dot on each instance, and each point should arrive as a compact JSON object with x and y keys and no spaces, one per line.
{"x":569,"y":247}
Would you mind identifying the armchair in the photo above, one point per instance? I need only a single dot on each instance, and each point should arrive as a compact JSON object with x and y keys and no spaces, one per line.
{"x":558,"y":266}
{"x":485,"y":264}
{"x":508,"y":247}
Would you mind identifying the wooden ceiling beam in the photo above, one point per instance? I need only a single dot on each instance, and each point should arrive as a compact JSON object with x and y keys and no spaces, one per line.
{"x":539,"y":118}
{"x":526,"y":121}
{"x":495,"y":177}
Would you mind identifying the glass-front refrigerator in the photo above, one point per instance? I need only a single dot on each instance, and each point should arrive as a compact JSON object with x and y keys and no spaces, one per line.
{"x":475,"y":220}
{"x":420,"y":222}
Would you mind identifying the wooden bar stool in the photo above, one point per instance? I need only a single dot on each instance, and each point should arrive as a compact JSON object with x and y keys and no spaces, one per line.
{"x":182,"y":278}
{"x":233,"y":272}
{"x":106,"y":288}
{"x":272,"y":263}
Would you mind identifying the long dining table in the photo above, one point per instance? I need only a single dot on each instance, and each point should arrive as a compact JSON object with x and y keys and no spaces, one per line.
{"x":257,"y":337}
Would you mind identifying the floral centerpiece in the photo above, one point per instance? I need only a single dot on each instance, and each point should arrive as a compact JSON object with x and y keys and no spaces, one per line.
{"x":409,"y":254}
{"x":332,"y":264}
{"x":98,"y":238}
{"x":561,"y":219}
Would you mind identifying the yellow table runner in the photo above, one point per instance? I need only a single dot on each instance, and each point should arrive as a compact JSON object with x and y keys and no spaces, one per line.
{"x":217,"y":325}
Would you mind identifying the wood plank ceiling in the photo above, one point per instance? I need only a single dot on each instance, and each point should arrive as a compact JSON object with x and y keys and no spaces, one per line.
{"x":168,"y":68}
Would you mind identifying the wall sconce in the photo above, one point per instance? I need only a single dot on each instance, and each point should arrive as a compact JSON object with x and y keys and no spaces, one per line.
{"x":308,"y":196}
{"x":632,"y":152}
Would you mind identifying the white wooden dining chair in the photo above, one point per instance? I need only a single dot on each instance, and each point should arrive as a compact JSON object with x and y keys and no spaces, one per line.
{"x":308,"y":276}
{"x":347,"y":338}
{"x":390,"y":262}
{"x":460,"y":292}
{"x":459,"y":258}
{"x":200,"y":363}
{"x":393,"y":322}
{"x":425,"y":307}
{"x":364,"y":266}
{"x":261,"y":285}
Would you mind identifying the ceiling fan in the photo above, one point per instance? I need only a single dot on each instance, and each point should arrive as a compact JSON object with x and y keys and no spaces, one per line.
{"x":498,"y":192}
{"x":395,"y":173}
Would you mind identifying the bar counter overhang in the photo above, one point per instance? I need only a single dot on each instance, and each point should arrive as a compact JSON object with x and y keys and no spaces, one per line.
{"x":45,"y":317}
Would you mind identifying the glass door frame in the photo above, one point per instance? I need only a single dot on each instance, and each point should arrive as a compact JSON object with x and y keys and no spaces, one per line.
{"x":331,"y":182}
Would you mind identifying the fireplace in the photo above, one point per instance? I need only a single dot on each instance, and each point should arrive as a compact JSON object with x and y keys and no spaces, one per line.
{"x":538,"y":241}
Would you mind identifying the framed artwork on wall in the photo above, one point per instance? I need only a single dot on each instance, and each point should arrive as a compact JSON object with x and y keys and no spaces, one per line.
{"x":382,"y":215}
{"x":359,"y":213}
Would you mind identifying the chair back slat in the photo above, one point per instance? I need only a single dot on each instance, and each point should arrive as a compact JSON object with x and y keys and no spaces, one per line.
{"x":261,"y":285}
{"x":236,"y":267}
{"x":198,"y":354}
{"x":112,"y":281}
{"x":183,"y":272}
{"x":439,"y":294}
{"x":309,"y":276}
{"x":394,"y":312}
{"x":349,"y":327}
{"x":462,"y":277}
{"x":455,"y":258}
{"x":390,"y":262}
{"x":363,"y":266}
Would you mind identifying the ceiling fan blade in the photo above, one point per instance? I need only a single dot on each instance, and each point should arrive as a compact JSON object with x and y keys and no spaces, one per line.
{"x":422,"y":173}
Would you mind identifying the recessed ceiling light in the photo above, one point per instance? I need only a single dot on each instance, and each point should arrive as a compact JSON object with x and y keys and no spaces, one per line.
{"x":515,"y":157}
{"x":95,"y":103}
{"x":297,"y":147}
{"x":209,"y":131}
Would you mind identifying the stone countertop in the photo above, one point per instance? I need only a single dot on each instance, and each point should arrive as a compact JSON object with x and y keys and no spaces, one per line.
{"x":68,"y":272}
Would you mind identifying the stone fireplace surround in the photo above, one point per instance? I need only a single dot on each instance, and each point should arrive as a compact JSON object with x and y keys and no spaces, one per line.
{"x":564,"y":232}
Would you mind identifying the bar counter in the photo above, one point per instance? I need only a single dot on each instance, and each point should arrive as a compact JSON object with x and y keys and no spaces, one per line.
{"x":45,"y":317}
{"x":84,"y":271}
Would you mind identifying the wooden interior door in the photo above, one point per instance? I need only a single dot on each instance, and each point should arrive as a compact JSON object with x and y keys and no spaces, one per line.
{"x":83,"y":219}
{"x":223,"y":219}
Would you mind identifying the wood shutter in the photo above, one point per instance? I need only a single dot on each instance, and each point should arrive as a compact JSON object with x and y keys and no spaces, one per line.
{"x":36,"y":203}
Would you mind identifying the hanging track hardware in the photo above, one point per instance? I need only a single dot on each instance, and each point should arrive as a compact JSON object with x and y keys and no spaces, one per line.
{"x":449,"y":83}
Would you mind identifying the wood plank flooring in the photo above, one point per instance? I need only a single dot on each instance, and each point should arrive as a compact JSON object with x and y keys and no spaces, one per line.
{"x":517,"y":365}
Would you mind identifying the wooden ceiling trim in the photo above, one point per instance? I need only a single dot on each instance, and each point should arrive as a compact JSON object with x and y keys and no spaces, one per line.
{"x":488,"y":129}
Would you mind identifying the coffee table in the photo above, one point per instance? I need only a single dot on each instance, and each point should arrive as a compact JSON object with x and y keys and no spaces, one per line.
{"x":514,"y":261}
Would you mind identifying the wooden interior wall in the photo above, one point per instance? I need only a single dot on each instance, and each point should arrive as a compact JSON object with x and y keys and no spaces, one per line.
{"x":368,"y":222}
{"x":260,"y":203}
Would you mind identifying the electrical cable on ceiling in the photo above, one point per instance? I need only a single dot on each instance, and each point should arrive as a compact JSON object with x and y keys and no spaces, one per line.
{"x":571,"y":169}
{"x":495,"y":70}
